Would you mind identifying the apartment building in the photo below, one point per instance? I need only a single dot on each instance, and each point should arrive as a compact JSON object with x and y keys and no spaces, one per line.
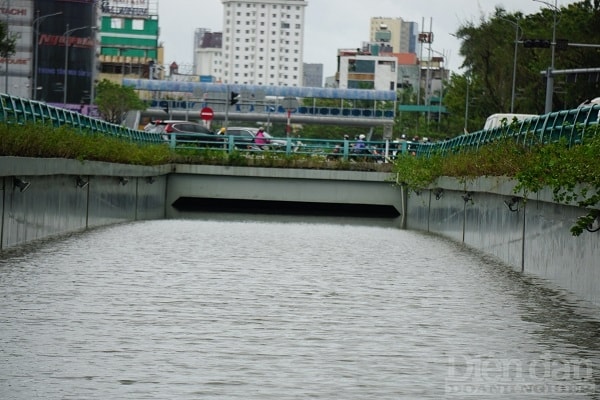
{"x":263,"y":42}
{"x":358,"y":70}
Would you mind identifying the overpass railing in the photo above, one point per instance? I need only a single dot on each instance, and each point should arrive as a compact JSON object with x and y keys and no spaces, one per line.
{"x":573,"y":126}
{"x":20,"y":111}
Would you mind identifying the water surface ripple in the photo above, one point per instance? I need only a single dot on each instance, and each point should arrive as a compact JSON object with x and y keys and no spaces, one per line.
{"x":268,"y":309}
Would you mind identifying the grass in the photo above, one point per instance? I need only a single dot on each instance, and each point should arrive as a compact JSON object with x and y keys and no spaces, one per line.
{"x":34,"y":140}
{"x":43,"y":141}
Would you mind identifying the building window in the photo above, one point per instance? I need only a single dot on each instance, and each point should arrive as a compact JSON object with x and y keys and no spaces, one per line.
{"x":137,"y":24}
{"x":116,"y":23}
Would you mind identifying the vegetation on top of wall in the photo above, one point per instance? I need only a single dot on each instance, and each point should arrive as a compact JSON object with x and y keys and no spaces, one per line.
{"x":44,"y":141}
{"x":36,"y":140}
{"x":572,"y":173}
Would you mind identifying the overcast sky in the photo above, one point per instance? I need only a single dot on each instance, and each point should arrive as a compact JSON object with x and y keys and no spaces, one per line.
{"x":334,"y":24}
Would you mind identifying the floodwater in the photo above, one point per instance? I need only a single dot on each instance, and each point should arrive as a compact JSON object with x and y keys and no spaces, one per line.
{"x":248,"y":308}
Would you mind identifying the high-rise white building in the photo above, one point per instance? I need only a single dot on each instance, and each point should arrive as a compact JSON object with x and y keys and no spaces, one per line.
{"x":263,"y":42}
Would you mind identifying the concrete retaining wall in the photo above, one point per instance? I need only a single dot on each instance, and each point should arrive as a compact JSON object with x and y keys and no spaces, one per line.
{"x":66,"y":196}
{"x":533,"y":237}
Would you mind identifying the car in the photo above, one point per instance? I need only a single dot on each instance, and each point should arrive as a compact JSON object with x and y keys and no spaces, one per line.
{"x":593,"y":102}
{"x":185,"y":131}
{"x":244,"y":136}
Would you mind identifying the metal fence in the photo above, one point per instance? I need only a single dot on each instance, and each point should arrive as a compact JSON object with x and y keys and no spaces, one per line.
{"x":20,"y":111}
{"x":573,"y":126}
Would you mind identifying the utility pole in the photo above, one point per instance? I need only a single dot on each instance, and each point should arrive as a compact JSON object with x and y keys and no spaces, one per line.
{"x":550,"y":71}
{"x":514,"y":75}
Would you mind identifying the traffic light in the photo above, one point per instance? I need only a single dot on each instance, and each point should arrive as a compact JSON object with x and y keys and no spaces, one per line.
{"x":536,"y":43}
{"x":235,"y":97}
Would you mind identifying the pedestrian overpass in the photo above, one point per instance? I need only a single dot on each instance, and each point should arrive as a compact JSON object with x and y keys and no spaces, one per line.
{"x":355,"y":107}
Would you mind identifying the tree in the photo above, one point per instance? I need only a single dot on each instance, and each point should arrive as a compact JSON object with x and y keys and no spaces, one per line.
{"x":114,"y":100}
{"x":488,"y":46}
{"x":7,"y":41}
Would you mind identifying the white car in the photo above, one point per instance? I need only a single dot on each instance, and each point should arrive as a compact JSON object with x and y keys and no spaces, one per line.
{"x":245,"y":136}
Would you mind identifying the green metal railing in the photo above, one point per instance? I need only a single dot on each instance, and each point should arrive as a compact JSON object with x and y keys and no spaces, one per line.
{"x":573,"y":126}
{"x":16,"y":110}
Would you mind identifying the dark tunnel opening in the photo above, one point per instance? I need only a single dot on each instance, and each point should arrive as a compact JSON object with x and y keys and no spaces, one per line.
{"x":201,"y":204}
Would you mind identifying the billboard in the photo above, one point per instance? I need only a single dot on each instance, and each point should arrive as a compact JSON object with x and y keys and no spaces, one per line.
{"x":129,"y":8}
{"x":15,"y":71}
{"x":60,"y":60}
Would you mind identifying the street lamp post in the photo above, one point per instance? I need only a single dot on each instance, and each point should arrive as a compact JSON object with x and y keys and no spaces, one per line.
{"x":467,"y":80}
{"x":36,"y":27}
{"x":93,"y":70}
{"x":514,"y":76}
{"x":550,"y":72}
{"x":67,"y":35}
{"x":442,"y":76}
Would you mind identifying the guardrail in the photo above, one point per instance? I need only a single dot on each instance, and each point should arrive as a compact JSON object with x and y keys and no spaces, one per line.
{"x":571,"y":125}
{"x":328,"y":149}
{"x":20,"y":111}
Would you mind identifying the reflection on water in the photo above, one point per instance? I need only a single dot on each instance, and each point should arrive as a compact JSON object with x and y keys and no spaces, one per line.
{"x":242,"y":307}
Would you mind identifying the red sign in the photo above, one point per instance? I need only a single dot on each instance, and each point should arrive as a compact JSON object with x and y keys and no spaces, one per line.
{"x":207,"y":114}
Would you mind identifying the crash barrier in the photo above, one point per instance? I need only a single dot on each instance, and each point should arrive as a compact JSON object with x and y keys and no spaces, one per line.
{"x":572,"y":126}
{"x":20,"y":111}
